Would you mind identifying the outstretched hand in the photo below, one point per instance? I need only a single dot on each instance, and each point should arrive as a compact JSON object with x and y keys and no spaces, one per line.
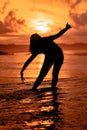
{"x":22,"y":78}
{"x":68,"y":26}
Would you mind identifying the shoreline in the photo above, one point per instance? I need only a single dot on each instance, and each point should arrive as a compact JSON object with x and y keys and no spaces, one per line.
{"x":13,"y":48}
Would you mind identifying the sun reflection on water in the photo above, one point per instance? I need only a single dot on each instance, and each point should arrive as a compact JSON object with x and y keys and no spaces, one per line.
{"x":43,"y":112}
{"x":48,"y":108}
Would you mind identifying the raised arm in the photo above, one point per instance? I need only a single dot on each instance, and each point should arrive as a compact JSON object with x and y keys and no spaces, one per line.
{"x":26,"y":64}
{"x":53,"y":37}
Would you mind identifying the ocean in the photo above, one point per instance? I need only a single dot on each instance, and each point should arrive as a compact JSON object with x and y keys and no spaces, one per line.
{"x":64,"y":108}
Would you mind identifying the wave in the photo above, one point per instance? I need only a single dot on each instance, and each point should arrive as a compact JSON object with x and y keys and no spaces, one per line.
{"x":76,"y":53}
{"x":5,"y":53}
{"x":80,"y":54}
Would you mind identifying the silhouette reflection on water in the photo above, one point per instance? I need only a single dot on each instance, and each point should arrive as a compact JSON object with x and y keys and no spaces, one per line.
{"x":45,"y":113}
{"x":26,"y":109}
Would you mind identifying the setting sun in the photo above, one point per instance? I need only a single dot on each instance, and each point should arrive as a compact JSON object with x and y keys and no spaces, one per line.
{"x":42,"y":25}
{"x":45,"y":17}
{"x":43,"y":64}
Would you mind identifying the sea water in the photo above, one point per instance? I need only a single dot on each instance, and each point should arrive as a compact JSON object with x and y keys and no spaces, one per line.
{"x":64,"y":108}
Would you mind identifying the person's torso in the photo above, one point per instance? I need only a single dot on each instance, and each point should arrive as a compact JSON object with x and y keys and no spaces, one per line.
{"x":49,"y":47}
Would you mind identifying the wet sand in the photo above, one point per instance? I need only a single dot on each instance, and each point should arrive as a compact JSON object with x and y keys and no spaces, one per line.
{"x":63,"y":108}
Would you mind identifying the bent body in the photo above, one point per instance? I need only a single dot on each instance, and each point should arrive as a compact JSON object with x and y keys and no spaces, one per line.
{"x":53,"y":56}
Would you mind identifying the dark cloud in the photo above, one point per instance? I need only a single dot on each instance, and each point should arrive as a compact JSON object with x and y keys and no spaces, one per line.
{"x":3,"y":28}
{"x":82,"y":32}
{"x":76,"y":3}
{"x":5,"y":4}
{"x":72,"y":3}
{"x":11,"y":23}
{"x":79,"y":19}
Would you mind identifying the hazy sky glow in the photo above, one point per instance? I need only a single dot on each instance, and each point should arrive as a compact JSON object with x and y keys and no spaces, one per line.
{"x":24,"y":17}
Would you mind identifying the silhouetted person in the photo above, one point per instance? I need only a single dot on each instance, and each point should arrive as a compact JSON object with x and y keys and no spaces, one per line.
{"x":53,"y":56}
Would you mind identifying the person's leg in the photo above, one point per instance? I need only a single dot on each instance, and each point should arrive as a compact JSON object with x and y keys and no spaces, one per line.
{"x":55,"y":74}
{"x":44,"y":70}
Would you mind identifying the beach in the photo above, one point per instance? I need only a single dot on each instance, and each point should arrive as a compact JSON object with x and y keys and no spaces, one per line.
{"x":64,"y":108}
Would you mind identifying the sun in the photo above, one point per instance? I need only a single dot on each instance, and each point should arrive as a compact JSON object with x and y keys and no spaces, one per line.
{"x":41,"y":25}
{"x":42,"y":28}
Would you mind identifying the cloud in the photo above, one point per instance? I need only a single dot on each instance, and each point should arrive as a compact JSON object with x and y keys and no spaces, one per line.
{"x":79,"y":19}
{"x":82,"y":32}
{"x":76,"y":3}
{"x":3,"y":28}
{"x":73,"y":3}
{"x":4,"y":6}
{"x":78,"y":13}
{"x":11,"y":23}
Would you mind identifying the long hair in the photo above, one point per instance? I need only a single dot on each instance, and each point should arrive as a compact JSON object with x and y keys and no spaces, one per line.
{"x":34,"y":42}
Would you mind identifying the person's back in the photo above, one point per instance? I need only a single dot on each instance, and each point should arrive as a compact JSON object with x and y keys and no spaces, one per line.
{"x":49,"y":47}
{"x":44,"y":45}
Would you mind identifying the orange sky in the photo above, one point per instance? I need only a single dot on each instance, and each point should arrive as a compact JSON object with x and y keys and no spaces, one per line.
{"x":24,"y":17}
